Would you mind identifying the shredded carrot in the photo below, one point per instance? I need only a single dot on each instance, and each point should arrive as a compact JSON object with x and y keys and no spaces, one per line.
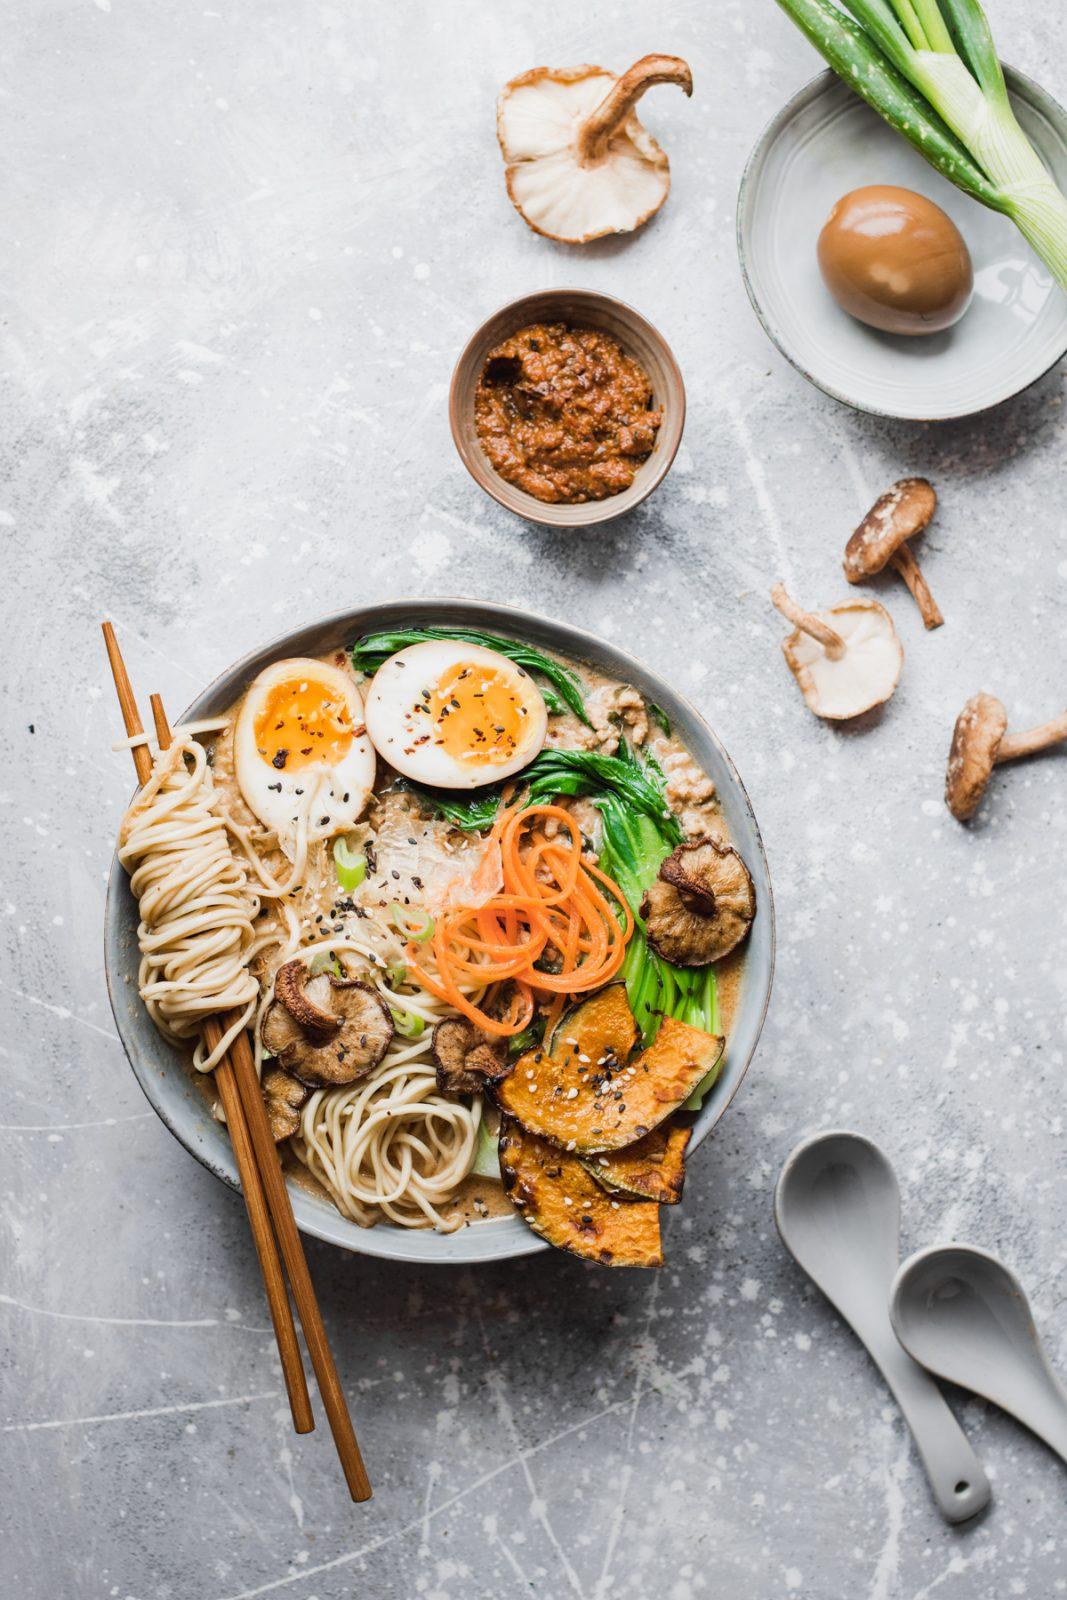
{"x":553,"y":903}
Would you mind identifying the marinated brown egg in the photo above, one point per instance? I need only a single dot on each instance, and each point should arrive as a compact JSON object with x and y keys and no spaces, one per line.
{"x":895,"y":261}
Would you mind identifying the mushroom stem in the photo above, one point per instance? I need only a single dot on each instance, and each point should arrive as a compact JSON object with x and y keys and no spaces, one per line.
{"x":831,"y":641}
{"x":1015,"y":745}
{"x":910,"y":571}
{"x":596,"y":131}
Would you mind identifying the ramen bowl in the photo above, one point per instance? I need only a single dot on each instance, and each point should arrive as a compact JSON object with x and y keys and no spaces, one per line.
{"x":582,"y":308}
{"x":166,"y":1074}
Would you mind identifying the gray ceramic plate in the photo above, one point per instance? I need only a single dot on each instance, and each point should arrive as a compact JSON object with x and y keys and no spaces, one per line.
{"x":827,"y":141}
{"x":163,"y":1072}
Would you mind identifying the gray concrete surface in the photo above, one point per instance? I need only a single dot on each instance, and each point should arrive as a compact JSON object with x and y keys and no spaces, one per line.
{"x":243,"y":244}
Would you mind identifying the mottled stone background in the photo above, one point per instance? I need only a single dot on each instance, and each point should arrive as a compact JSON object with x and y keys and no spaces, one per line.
{"x":242,"y":247}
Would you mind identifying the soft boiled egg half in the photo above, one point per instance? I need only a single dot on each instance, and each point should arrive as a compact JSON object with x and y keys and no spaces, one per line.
{"x":454,"y":715}
{"x":301,"y":751}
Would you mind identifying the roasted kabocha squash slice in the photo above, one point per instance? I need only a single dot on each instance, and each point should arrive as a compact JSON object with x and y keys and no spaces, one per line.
{"x":560,"y":1201}
{"x":653,"y":1168}
{"x":587,"y":1095}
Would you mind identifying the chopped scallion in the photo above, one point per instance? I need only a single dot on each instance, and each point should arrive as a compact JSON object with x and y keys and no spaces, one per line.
{"x":350,"y":865}
{"x":408,"y":1023}
{"x":416,"y":926}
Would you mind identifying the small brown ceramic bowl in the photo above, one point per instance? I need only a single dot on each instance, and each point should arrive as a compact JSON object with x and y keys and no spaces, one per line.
{"x":581,"y":308}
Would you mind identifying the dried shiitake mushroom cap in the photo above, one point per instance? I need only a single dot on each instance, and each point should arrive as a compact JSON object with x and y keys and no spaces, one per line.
{"x":466,"y":1057}
{"x":882,"y":539}
{"x":701,"y":906}
{"x":306,"y":998}
{"x":847,"y":659}
{"x":283,"y":1097}
{"x":980,"y":742}
{"x":579,"y":164}
{"x":359,"y":1038}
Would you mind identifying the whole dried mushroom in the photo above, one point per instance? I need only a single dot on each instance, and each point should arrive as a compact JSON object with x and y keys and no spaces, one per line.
{"x":466,"y":1057}
{"x":701,"y":906}
{"x":578,"y":163}
{"x":846,"y":659}
{"x":980,"y":742}
{"x":325,"y":1030}
{"x":881,"y":540}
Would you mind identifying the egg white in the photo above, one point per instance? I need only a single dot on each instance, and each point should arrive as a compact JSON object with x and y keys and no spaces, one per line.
{"x":329,"y":797}
{"x":404,"y":735}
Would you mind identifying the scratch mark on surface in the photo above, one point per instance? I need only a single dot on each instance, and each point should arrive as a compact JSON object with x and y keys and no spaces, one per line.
{"x":130,"y":1322}
{"x":74,"y":1127}
{"x":374,"y":1545}
{"x":64,"y":1014}
{"x":603,"y":1583}
{"x":134,"y":1416}
{"x":758,"y":479}
{"x":643,"y":1363}
{"x":883,"y":1583}
{"x":432,"y":1475}
{"x":539,"y":1509}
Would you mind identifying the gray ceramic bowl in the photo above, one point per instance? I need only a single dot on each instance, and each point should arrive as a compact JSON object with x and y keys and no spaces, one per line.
{"x":163,"y":1072}
{"x":825,"y":142}
{"x":581,"y":308}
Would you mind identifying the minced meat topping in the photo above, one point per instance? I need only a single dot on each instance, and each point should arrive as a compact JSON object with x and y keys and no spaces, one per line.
{"x":565,"y":414}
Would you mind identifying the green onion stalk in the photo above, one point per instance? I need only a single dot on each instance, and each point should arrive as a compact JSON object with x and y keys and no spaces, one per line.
{"x":931,"y":69}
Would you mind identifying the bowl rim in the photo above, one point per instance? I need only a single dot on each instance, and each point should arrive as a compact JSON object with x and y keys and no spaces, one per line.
{"x":541,"y":512}
{"x":152,"y":1066}
{"x":1019,"y":84}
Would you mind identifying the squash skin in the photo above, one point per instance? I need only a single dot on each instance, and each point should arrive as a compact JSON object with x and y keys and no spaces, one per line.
{"x":588,"y":1107}
{"x":559,"y":1200}
{"x":652,"y":1169}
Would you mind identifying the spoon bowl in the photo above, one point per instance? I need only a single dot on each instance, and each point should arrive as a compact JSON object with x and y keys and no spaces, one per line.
{"x":837,"y":1207}
{"x":964,"y":1315}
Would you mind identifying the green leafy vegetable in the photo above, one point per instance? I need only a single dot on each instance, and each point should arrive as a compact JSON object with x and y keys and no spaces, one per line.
{"x":635,"y":783}
{"x":530,"y":1037}
{"x":486,"y":1152}
{"x":566,"y":692}
{"x":658,"y":714}
{"x":930,"y":68}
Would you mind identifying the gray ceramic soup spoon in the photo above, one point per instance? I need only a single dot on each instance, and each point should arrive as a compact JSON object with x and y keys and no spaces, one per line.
{"x":965,"y":1316}
{"x":837,"y":1206}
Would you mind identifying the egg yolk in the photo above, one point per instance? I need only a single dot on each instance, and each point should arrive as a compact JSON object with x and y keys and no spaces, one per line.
{"x":303,"y":723}
{"x":477,"y":714}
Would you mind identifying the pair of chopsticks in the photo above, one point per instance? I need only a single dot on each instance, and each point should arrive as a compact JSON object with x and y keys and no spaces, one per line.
{"x":262,"y":1182}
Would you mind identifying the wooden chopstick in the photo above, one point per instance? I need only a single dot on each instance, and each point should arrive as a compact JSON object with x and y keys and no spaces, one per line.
{"x":251,"y":1187}
{"x":288,"y":1235}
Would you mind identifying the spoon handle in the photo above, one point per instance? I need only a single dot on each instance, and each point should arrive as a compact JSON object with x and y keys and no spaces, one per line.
{"x":956,"y":1475}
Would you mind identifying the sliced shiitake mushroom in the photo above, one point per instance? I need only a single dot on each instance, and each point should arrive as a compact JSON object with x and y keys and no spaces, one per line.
{"x":283,"y":1097}
{"x":467,"y":1058}
{"x":701,"y":906}
{"x":307,"y":998}
{"x":280,"y":1031}
{"x":361,"y":1040}
{"x":362,"y":1026}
